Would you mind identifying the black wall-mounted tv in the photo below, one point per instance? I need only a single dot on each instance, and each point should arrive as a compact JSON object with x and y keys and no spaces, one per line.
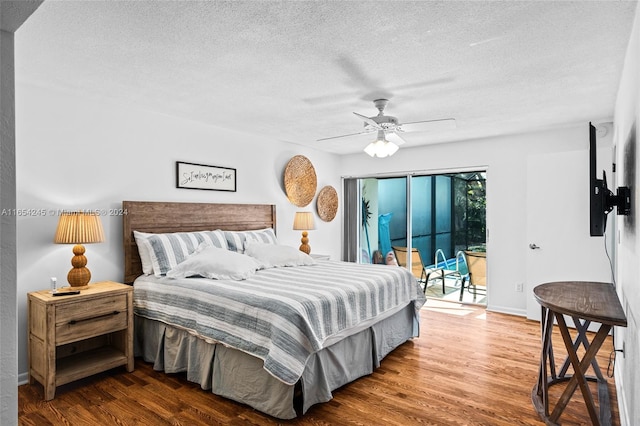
{"x":601,"y":200}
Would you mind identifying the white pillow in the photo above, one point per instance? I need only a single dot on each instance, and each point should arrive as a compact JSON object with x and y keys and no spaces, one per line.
{"x":143,"y":250}
{"x":275,"y":255}
{"x":215,"y":263}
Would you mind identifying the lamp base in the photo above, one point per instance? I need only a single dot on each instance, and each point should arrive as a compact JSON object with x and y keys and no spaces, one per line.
{"x":305,"y":247}
{"x":79,"y":276}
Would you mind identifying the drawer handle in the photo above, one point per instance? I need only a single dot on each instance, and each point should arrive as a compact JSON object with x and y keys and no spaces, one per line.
{"x":72,"y":322}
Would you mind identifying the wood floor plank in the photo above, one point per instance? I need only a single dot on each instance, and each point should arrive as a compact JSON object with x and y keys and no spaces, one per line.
{"x":468,"y":367}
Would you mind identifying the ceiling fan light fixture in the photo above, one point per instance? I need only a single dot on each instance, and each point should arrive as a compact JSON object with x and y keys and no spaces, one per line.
{"x":381,"y":148}
{"x":372,"y":149}
{"x":391,"y":148}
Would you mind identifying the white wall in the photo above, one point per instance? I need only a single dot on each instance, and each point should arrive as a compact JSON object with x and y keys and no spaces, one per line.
{"x":75,"y":153}
{"x":13,"y":16}
{"x":8,"y":337}
{"x":505,"y":159}
{"x":627,"y":114}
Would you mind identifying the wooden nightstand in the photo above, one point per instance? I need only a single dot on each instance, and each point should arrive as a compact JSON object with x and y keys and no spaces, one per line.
{"x":75,"y":336}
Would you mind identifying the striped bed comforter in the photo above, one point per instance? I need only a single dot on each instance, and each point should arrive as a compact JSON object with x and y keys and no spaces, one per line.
{"x":280,"y":315}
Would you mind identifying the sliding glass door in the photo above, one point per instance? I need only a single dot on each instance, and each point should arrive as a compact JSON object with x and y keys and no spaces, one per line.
{"x":435,"y":214}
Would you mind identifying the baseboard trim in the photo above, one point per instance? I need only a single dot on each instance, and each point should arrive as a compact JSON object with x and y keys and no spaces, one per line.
{"x":23,"y":379}
{"x":507,"y":310}
{"x":621,"y":397}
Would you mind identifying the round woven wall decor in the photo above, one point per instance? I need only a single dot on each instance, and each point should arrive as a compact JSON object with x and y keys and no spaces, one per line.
{"x":327,"y":203}
{"x":300,"y":181}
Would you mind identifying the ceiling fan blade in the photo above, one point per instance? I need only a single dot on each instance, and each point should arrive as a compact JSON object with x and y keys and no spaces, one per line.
{"x":343,"y":136}
{"x":395,"y":138}
{"x":429,"y":125}
{"x":369,"y":121}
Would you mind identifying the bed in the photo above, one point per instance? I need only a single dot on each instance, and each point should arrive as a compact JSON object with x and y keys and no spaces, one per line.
{"x":282,"y":338}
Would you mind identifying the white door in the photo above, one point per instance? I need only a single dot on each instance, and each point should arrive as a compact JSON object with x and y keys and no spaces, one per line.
{"x":559,"y":247}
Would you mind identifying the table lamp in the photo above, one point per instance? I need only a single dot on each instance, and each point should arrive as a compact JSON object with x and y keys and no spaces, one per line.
{"x":303,"y":221}
{"x":79,"y":228}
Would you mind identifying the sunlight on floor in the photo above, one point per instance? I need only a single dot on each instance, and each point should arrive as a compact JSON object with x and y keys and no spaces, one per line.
{"x":450,"y":308}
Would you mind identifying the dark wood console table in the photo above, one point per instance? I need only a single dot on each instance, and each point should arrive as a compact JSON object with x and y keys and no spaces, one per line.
{"x":584,"y":302}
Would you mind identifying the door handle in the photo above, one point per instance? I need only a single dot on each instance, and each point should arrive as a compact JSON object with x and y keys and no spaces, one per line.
{"x":533,"y":246}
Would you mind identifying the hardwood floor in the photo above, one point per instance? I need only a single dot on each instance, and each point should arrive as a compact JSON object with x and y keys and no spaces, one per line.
{"x":469,"y":367}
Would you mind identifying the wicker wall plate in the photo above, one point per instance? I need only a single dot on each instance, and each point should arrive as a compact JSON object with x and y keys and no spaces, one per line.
{"x":300,"y":181}
{"x":327,"y":203}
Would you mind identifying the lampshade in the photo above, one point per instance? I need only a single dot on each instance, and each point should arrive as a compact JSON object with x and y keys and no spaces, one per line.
{"x":303,"y":221}
{"x":79,"y":228}
{"x":381,"y":147}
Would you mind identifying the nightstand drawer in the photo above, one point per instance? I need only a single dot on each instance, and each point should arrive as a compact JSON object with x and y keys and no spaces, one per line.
{"x":80,"y":309}
{"x":83,"y":319}
{"x":94,"y":325}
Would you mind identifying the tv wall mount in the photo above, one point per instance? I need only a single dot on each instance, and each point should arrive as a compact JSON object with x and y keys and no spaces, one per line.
{"x":621,"y":200}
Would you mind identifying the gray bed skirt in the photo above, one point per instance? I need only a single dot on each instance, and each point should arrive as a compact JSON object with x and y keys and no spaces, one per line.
{"x":239,"y":376}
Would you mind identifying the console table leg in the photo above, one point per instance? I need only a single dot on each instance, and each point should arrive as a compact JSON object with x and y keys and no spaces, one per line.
{"x":541,"y":393}
{"x":580,"y":367}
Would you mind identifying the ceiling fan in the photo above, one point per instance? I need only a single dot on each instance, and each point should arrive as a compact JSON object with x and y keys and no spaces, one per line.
{"x":388,"y":130}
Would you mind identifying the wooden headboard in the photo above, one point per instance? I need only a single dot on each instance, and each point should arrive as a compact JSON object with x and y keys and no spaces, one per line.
{"x":162,"y":217}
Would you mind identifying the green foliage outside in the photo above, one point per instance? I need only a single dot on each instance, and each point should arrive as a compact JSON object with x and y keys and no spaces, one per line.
{"x":470,"y":206}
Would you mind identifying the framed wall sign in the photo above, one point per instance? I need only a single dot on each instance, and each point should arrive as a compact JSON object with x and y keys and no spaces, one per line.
{"x":201,"y":176}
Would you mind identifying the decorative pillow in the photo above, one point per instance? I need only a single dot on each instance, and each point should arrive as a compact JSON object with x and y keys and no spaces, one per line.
{"x":143,"y":250}
{"x":216,"y":263}
{"x":236,"y":239}
{"x":168,"y":250}
{"x":275,"y":255}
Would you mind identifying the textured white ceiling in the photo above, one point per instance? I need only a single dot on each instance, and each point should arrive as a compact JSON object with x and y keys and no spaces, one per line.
{"x":295,"y":71}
